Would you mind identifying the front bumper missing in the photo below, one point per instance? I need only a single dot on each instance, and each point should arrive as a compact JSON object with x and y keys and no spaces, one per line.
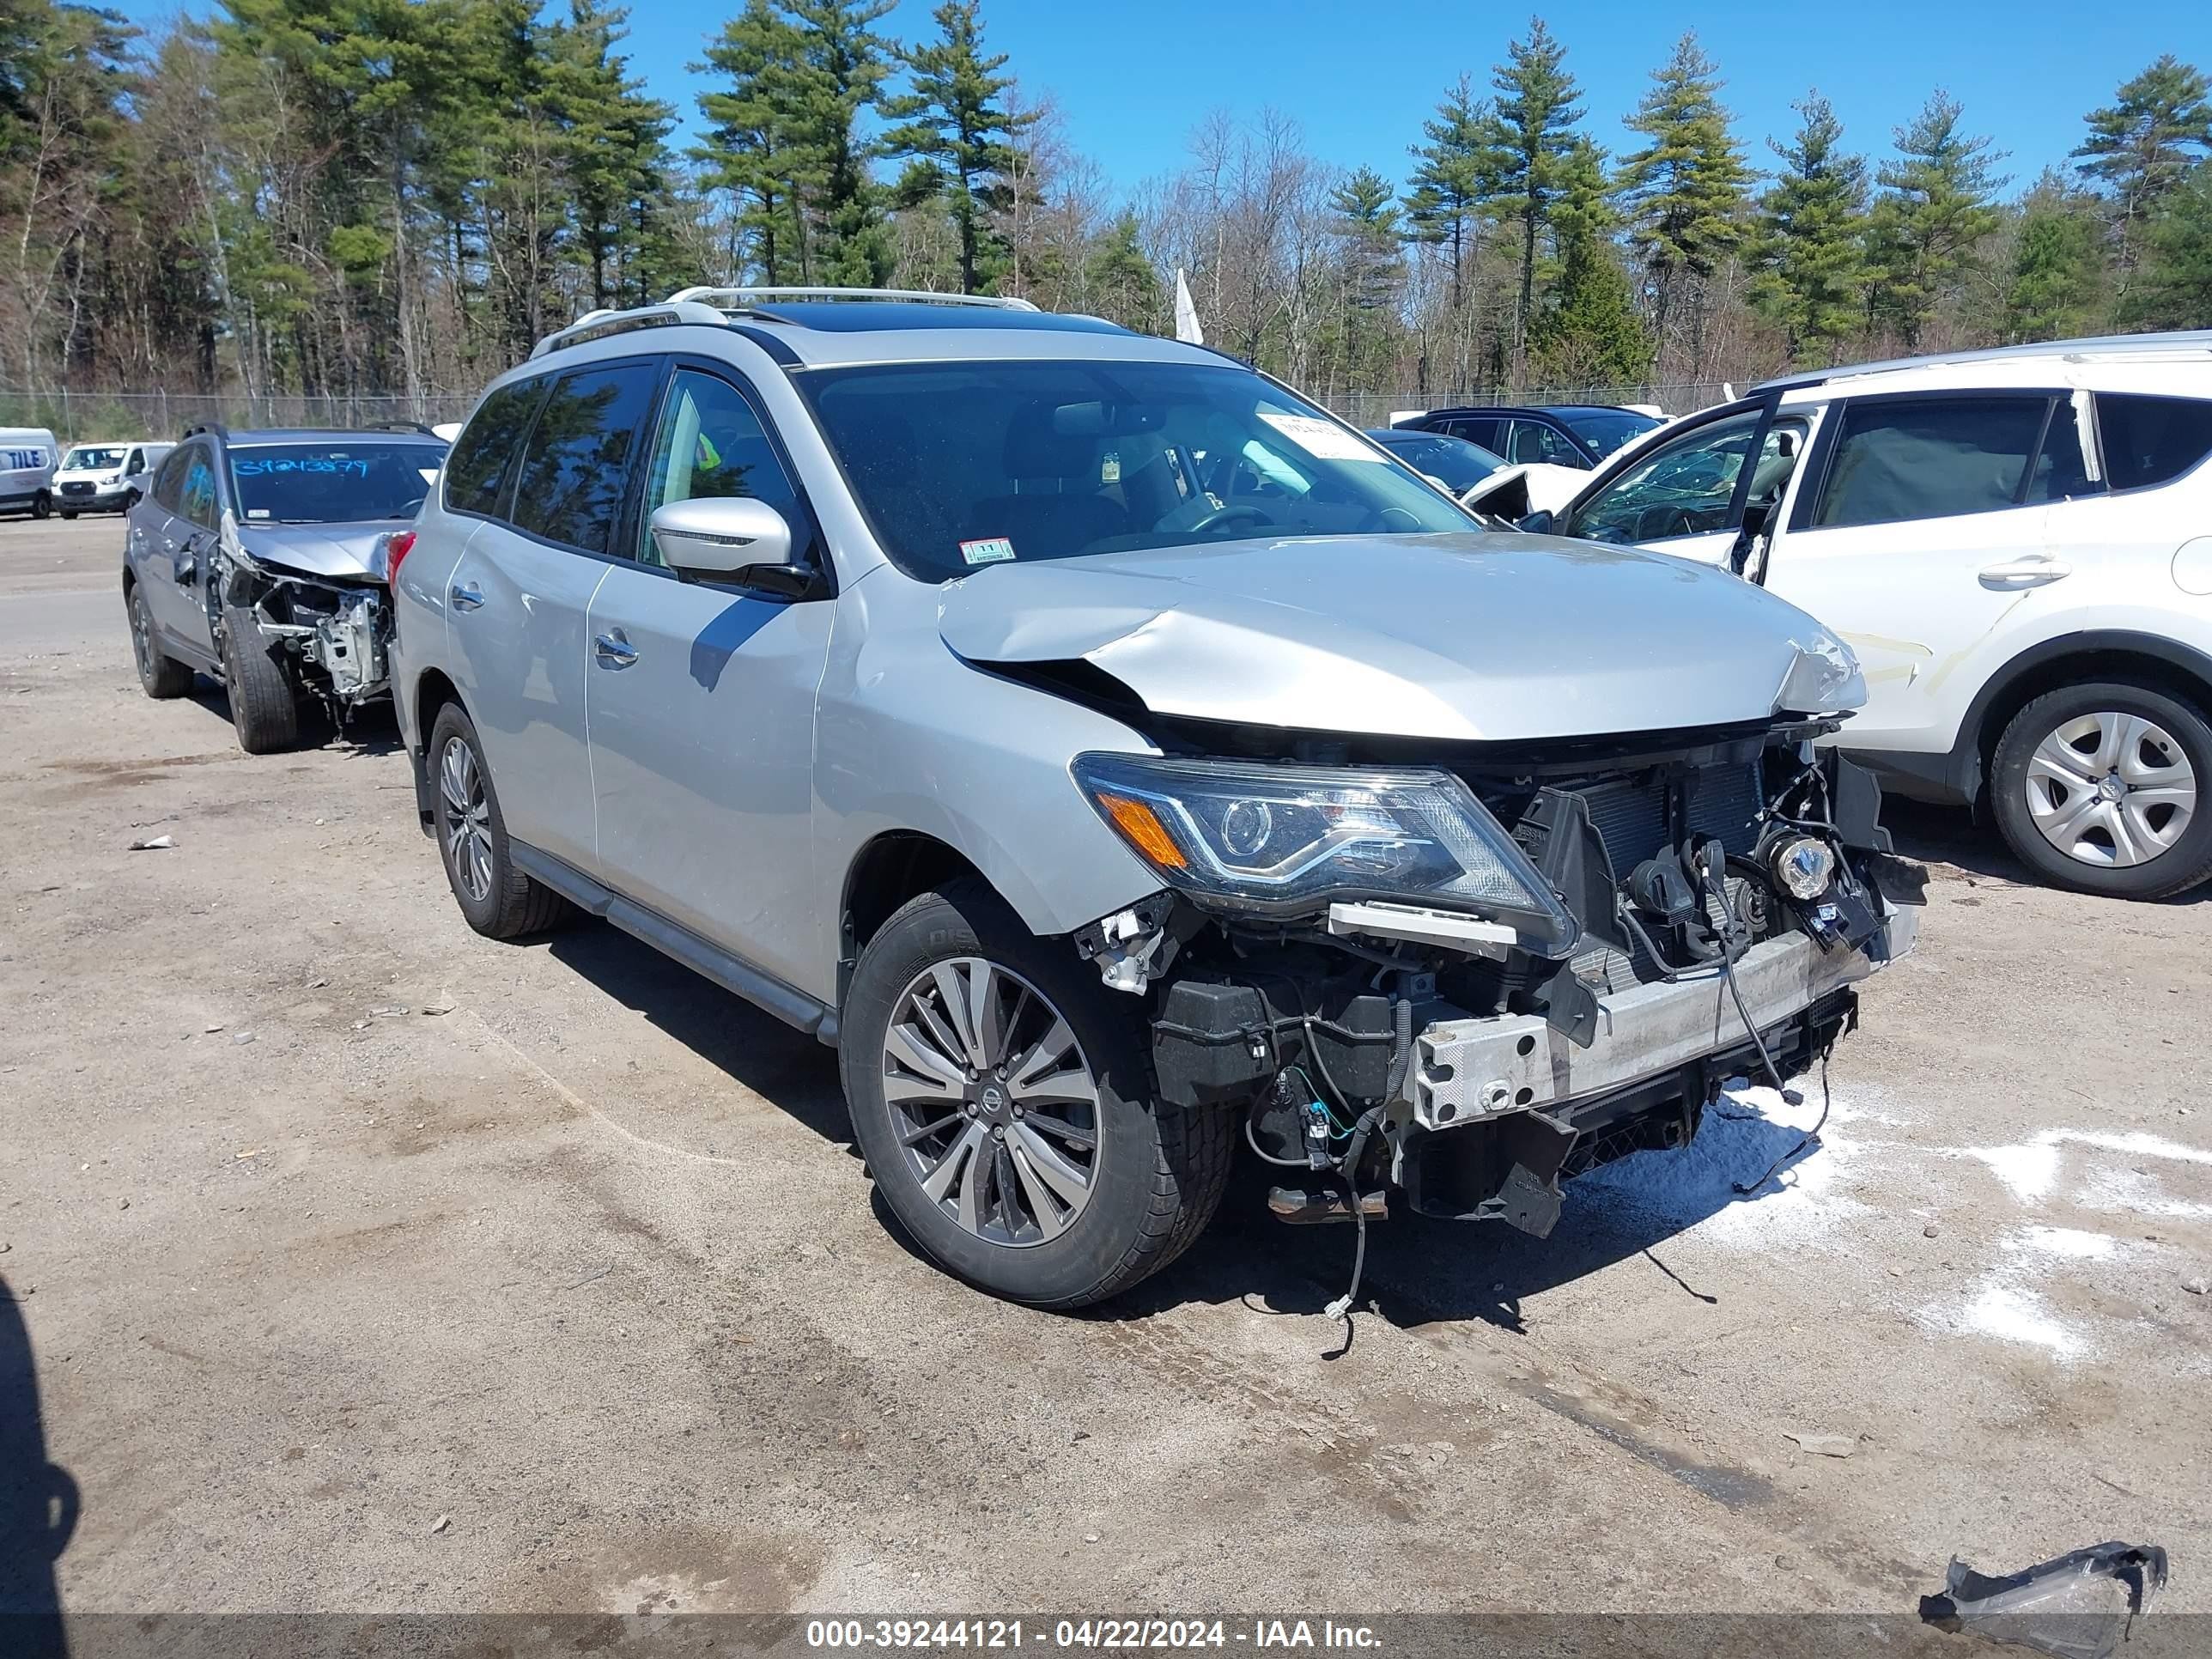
{"x":1466,"y":1071}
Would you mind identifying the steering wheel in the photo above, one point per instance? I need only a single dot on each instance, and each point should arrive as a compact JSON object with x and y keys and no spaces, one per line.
{"x":1231,"y":515}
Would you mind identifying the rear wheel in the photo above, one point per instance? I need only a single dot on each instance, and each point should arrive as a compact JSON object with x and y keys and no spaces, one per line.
{"x":264,"y":706}
{"x":1003,"y":1100}
{"x":161,"y":674}
{"x":41,"y":504}
{"x":499,"y":901}
{"x":2099,"y":788}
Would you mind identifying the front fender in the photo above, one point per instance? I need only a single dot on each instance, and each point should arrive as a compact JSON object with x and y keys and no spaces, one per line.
{"x":909,"y":737}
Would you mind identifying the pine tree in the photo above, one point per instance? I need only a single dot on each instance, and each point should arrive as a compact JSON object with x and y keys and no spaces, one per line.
{"x":753,"y":147}
{"x":1368,"y":234}
{"x":1457,"y":176}
{"x":2175,"y":283}
{"x":960,"y":141}
{"x":613,"y":153}
{"x":1120,"y":279}
{"x":1809,"y":251}
{"x":1535,"y":117}
{"x":1938,"y":203}
{"x":2055,"y":286}
{"x":1685,"y":190}
{"x":2142,"y":145}
{"x":844,"y":65}
{"x":1588,"y":334}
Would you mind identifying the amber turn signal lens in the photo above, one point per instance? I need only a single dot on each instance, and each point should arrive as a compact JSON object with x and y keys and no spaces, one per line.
{"x":1144,"y":830}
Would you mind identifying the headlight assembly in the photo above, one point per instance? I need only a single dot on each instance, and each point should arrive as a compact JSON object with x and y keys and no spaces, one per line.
{"x":1281,"y":840}
{"x":1824,"y":679}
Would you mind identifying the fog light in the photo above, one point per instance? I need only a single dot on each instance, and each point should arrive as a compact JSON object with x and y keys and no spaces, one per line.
{"x":1803,"y":867}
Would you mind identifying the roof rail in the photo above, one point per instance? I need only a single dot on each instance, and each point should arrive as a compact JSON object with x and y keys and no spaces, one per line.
{"x":595,"y":324}
{"x":215,"y":428}
{"x":743,"y":298}
{"x":424,"y":427}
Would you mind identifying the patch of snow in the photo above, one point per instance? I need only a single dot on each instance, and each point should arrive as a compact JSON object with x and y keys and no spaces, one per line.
{"x":2012,"y":1314}
{"x":2069,"y":1241}
{"x":2029,"y":1172}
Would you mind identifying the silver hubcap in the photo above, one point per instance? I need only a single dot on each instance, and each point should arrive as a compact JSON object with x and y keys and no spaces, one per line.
{"x":994,"y":1105}
{"x":2112,"y":790}
{"x":467,"y":819}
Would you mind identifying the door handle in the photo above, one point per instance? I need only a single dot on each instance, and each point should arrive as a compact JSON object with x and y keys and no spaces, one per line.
{"x":464,"y":598}
{"x":2024,"y":572}
{"x":613,"y":651}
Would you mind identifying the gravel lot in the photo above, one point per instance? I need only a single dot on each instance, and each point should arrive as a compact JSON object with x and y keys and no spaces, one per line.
{"x":572,"y":1296}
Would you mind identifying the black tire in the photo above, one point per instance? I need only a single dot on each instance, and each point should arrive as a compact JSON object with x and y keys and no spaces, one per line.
{"x":161,"y":674}
{"x":264,"y":708}
{"x":69,"y":513}
{"x":1160,"y":1170}
{"x":41,"y":504}
{"x":2182,"y":865}
{"x":512,"y":904}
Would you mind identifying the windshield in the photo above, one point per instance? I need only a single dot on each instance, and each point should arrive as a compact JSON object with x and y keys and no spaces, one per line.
{"x":963,"y":464}
{"x":1607,"y":429}
{"x":1460,"y":464}
{"x":352,"y":481}
{"x":87,"y":458}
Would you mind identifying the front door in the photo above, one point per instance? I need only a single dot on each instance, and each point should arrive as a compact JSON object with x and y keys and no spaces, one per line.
{"x":1680,"y":497}
{"x":702,"y":703}
{"x":1919,"y":537}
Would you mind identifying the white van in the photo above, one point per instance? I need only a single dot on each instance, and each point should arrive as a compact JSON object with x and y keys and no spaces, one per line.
{"x":27,"y":470}
{"x":101,"y":478}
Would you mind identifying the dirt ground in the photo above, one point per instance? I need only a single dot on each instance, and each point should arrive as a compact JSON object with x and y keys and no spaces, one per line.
{"x":368,"y":1264}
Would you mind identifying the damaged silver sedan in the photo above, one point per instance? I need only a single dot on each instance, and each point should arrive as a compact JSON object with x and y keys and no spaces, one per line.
{"x":259,"y":558}
{"x":1128,"y":767}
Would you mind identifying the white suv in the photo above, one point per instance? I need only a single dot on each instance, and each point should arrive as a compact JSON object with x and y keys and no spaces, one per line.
{"x":2017,"y":544}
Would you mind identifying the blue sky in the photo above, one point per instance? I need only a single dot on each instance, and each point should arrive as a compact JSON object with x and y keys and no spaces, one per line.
{"x":1133,"y":76}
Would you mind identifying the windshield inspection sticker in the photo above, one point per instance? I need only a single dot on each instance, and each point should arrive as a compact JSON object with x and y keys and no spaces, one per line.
{"x":991,"y":550}
{"x":1320,"y":439}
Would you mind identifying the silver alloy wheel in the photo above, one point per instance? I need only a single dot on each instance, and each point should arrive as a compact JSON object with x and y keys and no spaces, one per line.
{"x":995,"y":1107}
{"x":142,"y":638}
{"x":467,"y":818}
{"x":2110,"y":789}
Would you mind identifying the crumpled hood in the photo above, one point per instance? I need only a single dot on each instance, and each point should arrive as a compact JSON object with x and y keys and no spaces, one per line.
{"x":1472,"y":637}
{"x":341,"y":551}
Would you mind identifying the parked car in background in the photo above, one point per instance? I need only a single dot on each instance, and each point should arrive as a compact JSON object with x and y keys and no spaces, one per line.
{"x":105,"y":478}
{"x":1453,"y":463}
{"x":27,"y":454}
{"x":2017,"y":544}
{"x":1579,"y":435}
{"x":259,"y":557}
{"x":1121,"y":760}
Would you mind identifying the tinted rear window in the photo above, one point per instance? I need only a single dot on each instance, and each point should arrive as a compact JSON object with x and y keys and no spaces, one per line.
{"x":487,"y":444}
{"x":2150,"y":441}
{"x":576,"y":464}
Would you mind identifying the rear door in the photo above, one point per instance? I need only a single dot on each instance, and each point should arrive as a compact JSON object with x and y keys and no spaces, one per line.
{"x":701,"y":700}
{"x":1918,"y":534}
{"x":517,"y":599}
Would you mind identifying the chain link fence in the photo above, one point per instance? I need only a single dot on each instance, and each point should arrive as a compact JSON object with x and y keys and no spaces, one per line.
{"x":84,"y":416}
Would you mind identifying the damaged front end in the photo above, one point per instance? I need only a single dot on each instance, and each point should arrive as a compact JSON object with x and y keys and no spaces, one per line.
{"x":328,"y":608}
{"x":1476,"y":977}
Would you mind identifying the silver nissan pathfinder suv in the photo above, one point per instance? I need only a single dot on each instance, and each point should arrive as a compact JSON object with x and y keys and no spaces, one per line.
{"x":1126,"y":765}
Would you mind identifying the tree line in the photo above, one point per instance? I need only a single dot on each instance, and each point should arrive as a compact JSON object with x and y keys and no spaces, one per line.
{"x":401,"y":197}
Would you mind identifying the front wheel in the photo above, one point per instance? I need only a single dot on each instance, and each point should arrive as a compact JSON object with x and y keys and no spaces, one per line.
{"x":264,"y":708}
{"x":2096,"y":788}
{"x":1003,"y":1100}
{"x":67,"y":512}
{"x":41,"y":504}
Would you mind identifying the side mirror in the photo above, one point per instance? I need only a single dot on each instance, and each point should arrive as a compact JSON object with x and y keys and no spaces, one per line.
{"x":722,"y":536}
{"x":1540,"y":522}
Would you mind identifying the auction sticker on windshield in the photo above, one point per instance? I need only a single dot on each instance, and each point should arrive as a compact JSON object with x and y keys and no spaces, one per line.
{"x":1320,"y":439}
{"x":991,"y":550}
